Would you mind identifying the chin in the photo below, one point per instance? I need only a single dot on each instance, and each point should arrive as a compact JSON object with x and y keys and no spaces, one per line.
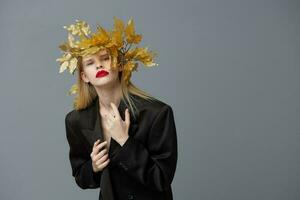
{"x":103,"y":83}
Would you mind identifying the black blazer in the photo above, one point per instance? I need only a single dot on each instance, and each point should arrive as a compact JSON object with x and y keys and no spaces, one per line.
{"x":143,"y":168}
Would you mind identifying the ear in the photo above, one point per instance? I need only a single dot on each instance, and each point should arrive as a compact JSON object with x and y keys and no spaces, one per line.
{"x":83,"y":77}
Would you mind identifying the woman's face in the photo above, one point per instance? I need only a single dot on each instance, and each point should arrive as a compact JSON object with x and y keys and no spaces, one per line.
{"x":93,"y":65}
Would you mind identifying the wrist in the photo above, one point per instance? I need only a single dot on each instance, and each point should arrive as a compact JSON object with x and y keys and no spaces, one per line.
{"x":123,"y":140}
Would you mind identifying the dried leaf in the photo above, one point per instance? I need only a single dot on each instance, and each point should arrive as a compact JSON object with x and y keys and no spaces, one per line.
{"x":73,"y":89}
{"x":131,"y":36}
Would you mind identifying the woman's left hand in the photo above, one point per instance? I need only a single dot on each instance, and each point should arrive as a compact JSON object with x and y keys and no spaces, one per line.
{"x":117,"y":128}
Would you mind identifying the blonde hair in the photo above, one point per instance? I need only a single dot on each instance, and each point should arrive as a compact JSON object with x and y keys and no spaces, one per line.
{"x":86,"y":92}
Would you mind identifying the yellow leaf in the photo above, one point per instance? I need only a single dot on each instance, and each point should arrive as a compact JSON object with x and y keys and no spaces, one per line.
{"x":131,"y":36}
{"x":91,"y":50}
{"x":72,"y":65}
{"x":73,"y":89}
{"x":63,"y":66}
{"x":71,"y":40}
{"x":118,"y":25}
{"x":64,"y":46}
{"x":116,"y":39}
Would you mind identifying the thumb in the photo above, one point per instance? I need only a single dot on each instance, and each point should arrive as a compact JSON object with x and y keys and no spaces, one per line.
{"x":127,"y":116}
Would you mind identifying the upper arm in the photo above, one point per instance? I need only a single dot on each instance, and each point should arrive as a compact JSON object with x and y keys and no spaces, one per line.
{"x":162,"y":141}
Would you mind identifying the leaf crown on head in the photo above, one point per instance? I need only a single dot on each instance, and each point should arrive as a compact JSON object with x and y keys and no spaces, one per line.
{"x":119,"y":41}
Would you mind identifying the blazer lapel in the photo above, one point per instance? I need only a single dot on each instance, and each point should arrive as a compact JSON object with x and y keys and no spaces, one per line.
{"x":92,"y":131}
{"x":91,"y":126}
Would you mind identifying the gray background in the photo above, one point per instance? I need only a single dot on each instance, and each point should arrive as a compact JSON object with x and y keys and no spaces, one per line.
{"x":229,"y":69}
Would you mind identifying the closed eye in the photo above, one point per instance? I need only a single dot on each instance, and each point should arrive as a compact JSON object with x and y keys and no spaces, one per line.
{"x":106,"y":58}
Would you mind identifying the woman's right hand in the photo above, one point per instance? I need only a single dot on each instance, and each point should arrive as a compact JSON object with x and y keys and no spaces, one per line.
{"x":99,"y":160}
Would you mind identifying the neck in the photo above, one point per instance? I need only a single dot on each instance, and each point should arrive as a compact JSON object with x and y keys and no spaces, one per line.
{"x":109,"y":94}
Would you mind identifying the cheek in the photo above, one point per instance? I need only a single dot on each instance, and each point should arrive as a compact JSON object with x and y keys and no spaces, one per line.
{"x":89,"y":72}
{"x":114,"y":73}
{"x":108,"y":64}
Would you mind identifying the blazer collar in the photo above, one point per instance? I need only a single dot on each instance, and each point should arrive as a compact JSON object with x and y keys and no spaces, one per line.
{"x":90,"y":122}
{"x":91,"y":128}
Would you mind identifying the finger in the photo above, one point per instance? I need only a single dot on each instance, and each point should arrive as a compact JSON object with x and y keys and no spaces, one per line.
{"x":97,"y":141}
{"x":94,"y":154}
{"x":112,"y":115}
{"x":102,"y":159}
{"x":100,"y":146}
{"x":102,"y":165}
{"x":115,"y":109}
{"x":101,"y":154}
{"x":109,"y":119}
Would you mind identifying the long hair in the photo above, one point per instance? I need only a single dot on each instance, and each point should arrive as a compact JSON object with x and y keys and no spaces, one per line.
{"x":86,"y":93}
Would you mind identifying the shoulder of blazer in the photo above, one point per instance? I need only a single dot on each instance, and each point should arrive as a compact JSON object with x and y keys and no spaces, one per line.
{"x":151,"y":107}
{"x":72,"y":117}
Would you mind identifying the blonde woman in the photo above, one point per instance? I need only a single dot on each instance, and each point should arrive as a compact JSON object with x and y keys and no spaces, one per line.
{"x":121,"y":139}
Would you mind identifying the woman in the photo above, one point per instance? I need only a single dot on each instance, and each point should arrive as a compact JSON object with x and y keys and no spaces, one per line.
{"x":121,"y":139}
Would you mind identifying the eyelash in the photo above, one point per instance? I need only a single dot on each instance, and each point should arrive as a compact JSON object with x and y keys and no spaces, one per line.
{"x":107,"y":58}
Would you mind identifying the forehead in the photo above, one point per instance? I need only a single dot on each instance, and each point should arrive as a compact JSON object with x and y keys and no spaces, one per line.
{"x":102,"y":52}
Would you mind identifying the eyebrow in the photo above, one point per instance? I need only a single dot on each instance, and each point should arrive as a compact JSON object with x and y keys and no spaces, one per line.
{"x":101,"y":56}
{"x":104,"y":55}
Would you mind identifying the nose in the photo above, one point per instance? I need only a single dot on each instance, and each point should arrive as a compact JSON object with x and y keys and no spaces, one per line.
{"x":98,"y":67}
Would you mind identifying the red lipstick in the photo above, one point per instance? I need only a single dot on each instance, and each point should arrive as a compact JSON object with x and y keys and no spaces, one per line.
{"x":101,"y":73}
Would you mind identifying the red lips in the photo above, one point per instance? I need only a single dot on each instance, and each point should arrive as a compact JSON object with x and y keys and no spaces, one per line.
{"x":101,"y":73}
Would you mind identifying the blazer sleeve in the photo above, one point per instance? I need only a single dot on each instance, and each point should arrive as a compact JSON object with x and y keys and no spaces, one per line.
{"x":80,"y":160}
{"x":153,"y":165}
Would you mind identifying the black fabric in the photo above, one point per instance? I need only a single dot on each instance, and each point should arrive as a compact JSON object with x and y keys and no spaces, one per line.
{"x":143,"y":168}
